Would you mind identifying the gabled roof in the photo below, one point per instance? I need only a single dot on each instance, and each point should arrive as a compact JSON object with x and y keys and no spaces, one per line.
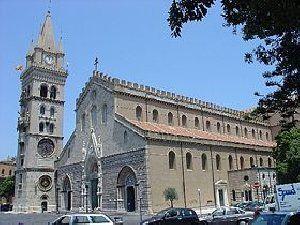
{"x":199,"y":134}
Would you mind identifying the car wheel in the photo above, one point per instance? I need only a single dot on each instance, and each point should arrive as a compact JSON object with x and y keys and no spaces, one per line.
{"x":243,"y":222}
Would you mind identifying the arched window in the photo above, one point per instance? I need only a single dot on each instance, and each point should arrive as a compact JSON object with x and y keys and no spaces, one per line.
{"x":104,"y":113}
{"x":155,"y":115}
{"x":183,"y":120}
{"x":269,"y":162}
{"x":261,"y":162}
{"x":83,"y":122}
{"x":230,"y":161}
{"x":9,"y":172}
{"x":171,"y":160}
{"x":43,"y":90}
{"x":242,"y":161}
{"x":53,"y":92}
{"x":204,"y":161}
{"x":218,"y":162}
{"x":197,"y":124}
{"x":51,"y":128}
{"x":228,"y":129}
{"x":41,"y":127}
{"x":260,"y":135}
{"x":251,"y":162}
{"x":267,"y":136}
{"x":207,"y":124}
{"x":42,"y":110}
{"x":94,"y":116}
{"x":188,"y":161}
{"x":170,"y":118}
{"x":253,"y":133}
{"x":138,"y":113}
{"x":52,"y":111}
{"x":218,"y":127}
{"x":28,"y":90}
{"x":3,"y":171}
{"x":125,"y":137}
{"x":245,"y":132}
{"x":237,"y":132}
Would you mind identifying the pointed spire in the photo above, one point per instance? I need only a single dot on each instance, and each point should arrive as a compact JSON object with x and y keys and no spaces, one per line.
{"x":46,"y":36}
{"x":60,"y":46}
{"x":31,"y":48}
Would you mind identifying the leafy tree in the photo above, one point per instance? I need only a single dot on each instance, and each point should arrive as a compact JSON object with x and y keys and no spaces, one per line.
{"x":287,"y":154}
{"x":277,"y":24}
{"x":170,"y":195}
{"x":7,"y":187}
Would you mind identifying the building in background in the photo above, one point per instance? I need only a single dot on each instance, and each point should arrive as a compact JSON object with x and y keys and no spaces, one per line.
{"x":7,"y":167}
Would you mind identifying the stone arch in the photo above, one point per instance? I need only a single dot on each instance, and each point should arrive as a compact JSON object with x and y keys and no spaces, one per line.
{"x":126,"y":188}
{"x":91,"y":176}
{"x":67,"y":193}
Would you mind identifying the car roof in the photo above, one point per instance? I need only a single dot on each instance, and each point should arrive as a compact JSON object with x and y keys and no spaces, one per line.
{"x":86,"y":214}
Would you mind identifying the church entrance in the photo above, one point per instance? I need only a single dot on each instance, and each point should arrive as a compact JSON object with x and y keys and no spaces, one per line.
{"x":94,"y":196}
{"x":44,"y":206}
{"x":67,"y":194}
{"x":130,"y":199}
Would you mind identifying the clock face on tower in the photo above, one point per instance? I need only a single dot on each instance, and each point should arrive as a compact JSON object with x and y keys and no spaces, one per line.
{"x":48,"y":59}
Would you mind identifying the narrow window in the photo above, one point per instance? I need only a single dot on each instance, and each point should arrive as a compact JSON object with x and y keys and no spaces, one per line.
{"x":260,"y":135}
{"x":218,"y":162}
{"x":197,"y":122}
{"x":233,"y":196}
{"x":189,"y":161}
{"x":208,"y":128}
{"x":170,"y":118}
{"x":261,"y":162}
{"x":171,"y":160}
{"x":245,"y":132}
{"x":269,"y":162}
{"x":267,"y":136}
{"x":251,"y":162}
{"x":41,"y":127}
{"x":230,"y":161}
{"x":3,"y":171}
{"x":94,"y":116}
{"x":155,"y":116}
{"x":204,"y":161}
{"x":104,"y":113}
{"x":44,"y":91}
{"x":253,"y":134}
{"x":42,"y":110}
{"x":83,"y":122}
{"x":52,"y":111}
{"x":53,"y":92}
{"x":183,"y":120}
{"x":242,"y":161}
{"x":51,"y":128}
{"x":228,"y":129}
{"x":218,"y":127}
{"x":9,"y":173}
{"x":125,"y":137}
{"x":28,"y":90}
{"x":138,"y":113}
{"x":237,"y":132}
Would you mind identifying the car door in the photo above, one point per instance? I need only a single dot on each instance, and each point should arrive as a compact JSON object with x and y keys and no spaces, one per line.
{"x":232,"y":216}
{"x":81,"y":220}
{"x":171,"y":218}
{"x":65,"y":220}
{"x":219,"y":217}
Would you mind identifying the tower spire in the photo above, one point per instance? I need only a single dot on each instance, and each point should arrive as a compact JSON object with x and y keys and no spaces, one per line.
{"x":46,"y":36}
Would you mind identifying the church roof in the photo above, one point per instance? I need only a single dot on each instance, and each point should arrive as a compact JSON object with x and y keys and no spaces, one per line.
{"x":198,"y":134}
{"x":46,"y":39}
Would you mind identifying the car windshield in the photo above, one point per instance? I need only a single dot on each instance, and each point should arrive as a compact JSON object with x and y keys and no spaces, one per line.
{"x":99,"y":219}
{"x":269,"y":219}
{"x":161,"y":213}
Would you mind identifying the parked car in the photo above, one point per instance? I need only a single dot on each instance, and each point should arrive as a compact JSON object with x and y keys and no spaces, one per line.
{"x":254,"y":206}
{"x":277,"y":218}
{"x":84,"y":219}
{"x":174,"y":216}
{"x":228,"y":216}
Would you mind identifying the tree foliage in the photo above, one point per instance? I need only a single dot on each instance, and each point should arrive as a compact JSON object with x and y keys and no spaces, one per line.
{"x":287,"y":155}
{"x":277,"y":24}
{"x":170,"y":195}
{"x":7,"y":187}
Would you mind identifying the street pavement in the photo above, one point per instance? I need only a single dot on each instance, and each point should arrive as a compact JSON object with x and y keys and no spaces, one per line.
{"x":44,"y":218}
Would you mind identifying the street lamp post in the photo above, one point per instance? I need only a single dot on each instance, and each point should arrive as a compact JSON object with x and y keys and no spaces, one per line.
{"x":86,"y":198}
{"x":199,"y":193}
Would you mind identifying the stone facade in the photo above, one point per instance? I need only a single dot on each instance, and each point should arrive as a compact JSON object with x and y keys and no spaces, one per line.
{"x":7,"y":167}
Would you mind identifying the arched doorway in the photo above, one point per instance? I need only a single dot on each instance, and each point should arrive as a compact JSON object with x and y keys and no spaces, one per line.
{"x":44,"y":203}
{"x":126,"y":186}
{"x":67,"y":193}
{"x":92,"y":181}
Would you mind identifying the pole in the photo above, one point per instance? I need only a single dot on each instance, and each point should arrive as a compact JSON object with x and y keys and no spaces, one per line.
{"x":141,"y":216}
{"x":86,"y":200}
{"x":199,"y":192}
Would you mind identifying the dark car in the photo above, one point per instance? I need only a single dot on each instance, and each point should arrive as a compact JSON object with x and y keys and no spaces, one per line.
{"x":174,"y":216}
{"x":277,"y":218}
{"x":228,"y":216}
{"x":254,"y":206}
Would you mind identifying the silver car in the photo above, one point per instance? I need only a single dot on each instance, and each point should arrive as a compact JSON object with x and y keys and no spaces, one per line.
{"x":84,"y":219}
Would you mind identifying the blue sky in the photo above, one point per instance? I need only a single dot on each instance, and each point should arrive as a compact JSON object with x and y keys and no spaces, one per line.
{"x":132,"y":40}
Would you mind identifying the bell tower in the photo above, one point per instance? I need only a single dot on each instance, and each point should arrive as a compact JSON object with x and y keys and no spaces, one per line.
{"x":40,"y":122}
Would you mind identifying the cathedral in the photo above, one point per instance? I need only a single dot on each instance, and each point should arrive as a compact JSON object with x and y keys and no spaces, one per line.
{"x":130,"y":143}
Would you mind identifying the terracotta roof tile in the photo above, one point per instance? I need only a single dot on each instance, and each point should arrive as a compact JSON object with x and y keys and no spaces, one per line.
{"x":198,"y":134}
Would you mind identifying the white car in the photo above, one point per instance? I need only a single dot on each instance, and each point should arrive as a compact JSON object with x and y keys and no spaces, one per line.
{"x":84,"y":219}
